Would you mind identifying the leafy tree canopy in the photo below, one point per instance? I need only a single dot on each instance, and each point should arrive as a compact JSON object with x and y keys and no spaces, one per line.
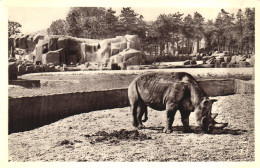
{"x":13,"y":28}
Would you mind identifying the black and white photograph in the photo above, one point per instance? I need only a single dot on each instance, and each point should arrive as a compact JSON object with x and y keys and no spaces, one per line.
{"x":131,"y":82}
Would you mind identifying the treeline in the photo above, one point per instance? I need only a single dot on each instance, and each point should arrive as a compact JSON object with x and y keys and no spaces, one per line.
{"x":169,"y":34}
{"x":99,"y":23}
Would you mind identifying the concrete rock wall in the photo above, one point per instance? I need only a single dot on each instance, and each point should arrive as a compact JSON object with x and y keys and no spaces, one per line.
{"x":27,"y":113}
{"x":218,"y":87}
{"x":78,"y":50}
{"x":244,"y":87}
{"x":26,"y":83}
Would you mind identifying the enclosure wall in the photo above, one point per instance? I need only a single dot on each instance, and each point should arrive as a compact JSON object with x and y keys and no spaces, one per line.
{"x":26,"y":113}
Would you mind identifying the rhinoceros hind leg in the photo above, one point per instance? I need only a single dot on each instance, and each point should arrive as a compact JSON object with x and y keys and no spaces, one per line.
{"x":138,"y":109}
{"x":133,"y":109}
{"x":141,"y":110}
{"x":145,"y":113}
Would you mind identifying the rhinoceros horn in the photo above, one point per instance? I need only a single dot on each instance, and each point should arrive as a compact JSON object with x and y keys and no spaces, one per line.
{"x":220,"y":125}
{"x":214,"y":115}
{"x":216,"y":124}
{"x":208,"y":125}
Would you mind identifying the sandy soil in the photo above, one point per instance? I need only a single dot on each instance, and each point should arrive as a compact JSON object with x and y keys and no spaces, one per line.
{"x":108,"y":135}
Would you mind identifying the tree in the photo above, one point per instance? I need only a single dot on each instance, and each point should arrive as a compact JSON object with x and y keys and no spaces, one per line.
{"x":132,"y":23}
{"x":93,"y":22}
{"x":224,"y":24}
{"x":168,"y":30}
{"x":111,"y":23}
{"x":249,"y":35}
{"x":244,"y":30}
{"x":219,"y":29}
{"x":141,"y":28}
{"x":211,"y":36}
{"x":13,"y":28}
{"x":198,"y":22}
{"x":128,"y":20}
{"x":226,"y":32}
{"x":74,"y":28}
{"x":151,"y":40}
{"x":176,"y":26}
{"x":162,"y":29}
{"x":228,"y":20}
{"x":188,"y":29}
{"x":239,"y":29}
{"x":58,"y":27}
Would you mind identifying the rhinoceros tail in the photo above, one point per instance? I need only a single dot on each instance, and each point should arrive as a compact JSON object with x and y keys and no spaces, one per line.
{"x":133,"y":95}
{"x":141,"y":104}
{"x":135,"y":100}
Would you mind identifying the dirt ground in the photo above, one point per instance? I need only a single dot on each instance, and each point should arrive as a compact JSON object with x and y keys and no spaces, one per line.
{"x":108,"y":135}
{"x":67,"y":82}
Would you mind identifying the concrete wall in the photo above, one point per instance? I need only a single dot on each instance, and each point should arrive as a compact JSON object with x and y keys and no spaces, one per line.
{"x":216,"y":87}
{"x":27,"y":113}
{"x":244,"y":87}
{"x":26,"y":83}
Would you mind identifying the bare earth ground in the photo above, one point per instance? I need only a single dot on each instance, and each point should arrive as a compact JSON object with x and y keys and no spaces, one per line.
{"x":67,"y":82}
{"x":100,"y":136}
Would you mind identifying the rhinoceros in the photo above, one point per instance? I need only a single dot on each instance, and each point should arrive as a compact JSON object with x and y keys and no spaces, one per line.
{"x":171,"y":92}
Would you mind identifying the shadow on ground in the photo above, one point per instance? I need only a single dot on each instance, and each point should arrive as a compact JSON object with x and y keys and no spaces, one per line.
{"x":180,"y":129}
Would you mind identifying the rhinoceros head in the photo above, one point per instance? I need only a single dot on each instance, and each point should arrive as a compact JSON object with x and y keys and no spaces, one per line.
{"x":205,"y":118}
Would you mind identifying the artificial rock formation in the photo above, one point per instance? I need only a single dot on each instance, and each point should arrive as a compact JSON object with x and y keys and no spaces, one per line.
{"x":51,"y":57}
{"x":59,"y":50}
{"x":12,"y":71}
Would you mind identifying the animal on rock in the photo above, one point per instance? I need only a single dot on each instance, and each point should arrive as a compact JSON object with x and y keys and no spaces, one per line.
{"x":171,"y":92}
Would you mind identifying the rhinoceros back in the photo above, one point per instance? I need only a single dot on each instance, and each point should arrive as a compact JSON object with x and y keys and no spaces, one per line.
{"x":152,"y":88}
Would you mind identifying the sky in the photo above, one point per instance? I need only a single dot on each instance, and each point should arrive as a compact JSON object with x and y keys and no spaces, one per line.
{"x":34,"y":19}
{"x":35,"y":15}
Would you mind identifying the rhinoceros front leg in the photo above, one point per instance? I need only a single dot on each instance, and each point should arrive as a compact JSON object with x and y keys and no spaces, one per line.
{"x":171,"y":109}
{"x":185,"y":121}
